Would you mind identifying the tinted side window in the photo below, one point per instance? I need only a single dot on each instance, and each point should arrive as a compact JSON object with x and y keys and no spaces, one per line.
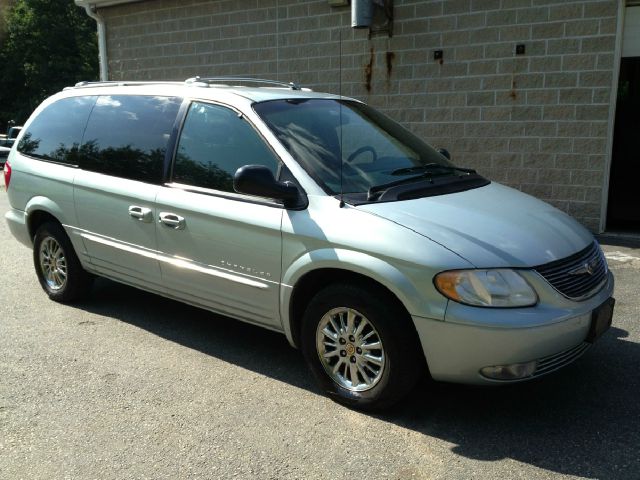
{"x":127,"y":136}
{"x":214,"y":143}
{"x":55,"y":134}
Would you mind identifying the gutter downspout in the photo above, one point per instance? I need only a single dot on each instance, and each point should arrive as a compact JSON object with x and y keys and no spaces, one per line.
{"x":102,"y":42}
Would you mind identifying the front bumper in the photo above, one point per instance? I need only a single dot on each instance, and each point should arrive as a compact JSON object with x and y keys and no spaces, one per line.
{"x":552,"y":333}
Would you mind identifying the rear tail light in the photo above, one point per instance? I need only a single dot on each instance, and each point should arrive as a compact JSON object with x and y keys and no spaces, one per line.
{"x":7,"y":175}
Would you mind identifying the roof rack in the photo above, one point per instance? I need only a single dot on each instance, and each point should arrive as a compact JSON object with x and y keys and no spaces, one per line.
{"x":118,"y":83}
{"x":210,"y":80}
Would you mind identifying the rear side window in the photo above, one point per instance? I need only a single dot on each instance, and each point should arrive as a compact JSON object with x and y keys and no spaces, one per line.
{"x":56,"y":133}
{"x":214,"y":143}
{"x":127,"y":136}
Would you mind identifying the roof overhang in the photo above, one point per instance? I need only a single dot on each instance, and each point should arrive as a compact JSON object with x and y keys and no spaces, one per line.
{"x":102,"y":3}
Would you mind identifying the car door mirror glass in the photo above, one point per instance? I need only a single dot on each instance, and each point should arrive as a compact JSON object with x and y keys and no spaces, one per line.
{"x":258,"y":180}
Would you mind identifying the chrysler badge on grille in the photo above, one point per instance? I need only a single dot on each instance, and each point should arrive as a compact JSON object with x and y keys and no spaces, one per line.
{"x":586,"y":268}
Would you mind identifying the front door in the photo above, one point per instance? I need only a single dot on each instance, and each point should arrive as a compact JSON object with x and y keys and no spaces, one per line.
{"x":220,"y":250}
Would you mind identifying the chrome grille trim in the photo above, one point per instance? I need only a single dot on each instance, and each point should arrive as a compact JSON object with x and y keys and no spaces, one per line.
{"x":577,"y":286}
{"x":554,"y":362}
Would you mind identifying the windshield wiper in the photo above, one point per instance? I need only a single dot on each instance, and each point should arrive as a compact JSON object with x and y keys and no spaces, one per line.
{"x":375,"y":191}
{"x":428,"y":167}
{"x":426,"y":172}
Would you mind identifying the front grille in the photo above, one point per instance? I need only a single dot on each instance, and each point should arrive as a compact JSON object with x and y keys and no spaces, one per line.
{"x":554,"y":362}
{"x":578,"y":276}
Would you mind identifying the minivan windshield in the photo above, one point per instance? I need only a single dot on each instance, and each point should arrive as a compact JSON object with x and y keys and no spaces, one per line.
{"x":349,"y":147}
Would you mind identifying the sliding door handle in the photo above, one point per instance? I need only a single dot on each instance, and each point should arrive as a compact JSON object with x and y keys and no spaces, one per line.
{"x":141,"y":213}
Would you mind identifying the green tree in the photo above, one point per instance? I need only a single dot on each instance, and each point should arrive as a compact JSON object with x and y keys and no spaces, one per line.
{"x":49,"y":45}
{"x":4,"y":8}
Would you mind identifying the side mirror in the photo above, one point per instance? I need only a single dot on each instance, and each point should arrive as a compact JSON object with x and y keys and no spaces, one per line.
{"x":259,"y":180}
{"x":444,"y":152}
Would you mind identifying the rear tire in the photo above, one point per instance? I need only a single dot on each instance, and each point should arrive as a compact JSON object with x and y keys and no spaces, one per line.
{"x":361,"y":346}
{"x":59,"y":271}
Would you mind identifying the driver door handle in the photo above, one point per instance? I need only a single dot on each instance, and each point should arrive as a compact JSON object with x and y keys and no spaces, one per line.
{"x":172,"y":220}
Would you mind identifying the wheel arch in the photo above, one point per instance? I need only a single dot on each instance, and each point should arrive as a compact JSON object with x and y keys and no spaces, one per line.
{"x":38,"y":218}
{"x":314,"y":271}
{"x":41,"y":209}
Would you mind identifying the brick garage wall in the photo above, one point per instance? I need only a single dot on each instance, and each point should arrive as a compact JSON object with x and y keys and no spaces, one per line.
{"x":537,"y":122}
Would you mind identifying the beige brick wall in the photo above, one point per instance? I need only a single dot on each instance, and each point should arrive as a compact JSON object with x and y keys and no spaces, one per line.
{"x":538,"y":122}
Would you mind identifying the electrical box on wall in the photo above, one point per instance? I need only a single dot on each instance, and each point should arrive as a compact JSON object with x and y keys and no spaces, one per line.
{"x":361,"y":13}
{"x":376,"y":15}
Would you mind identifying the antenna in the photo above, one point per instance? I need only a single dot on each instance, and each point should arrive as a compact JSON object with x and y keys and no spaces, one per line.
{"x":341,"y":204}
{"x":277,"y":38}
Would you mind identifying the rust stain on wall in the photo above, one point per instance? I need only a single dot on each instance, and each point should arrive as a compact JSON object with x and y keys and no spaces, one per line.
{"x":390,"y":58}
{"x":368,"y":70}
{"x":513,"y":94}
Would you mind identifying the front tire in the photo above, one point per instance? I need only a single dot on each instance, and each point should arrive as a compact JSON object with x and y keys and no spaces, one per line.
{"x":361,"y":346}
{"x":59,"y":271}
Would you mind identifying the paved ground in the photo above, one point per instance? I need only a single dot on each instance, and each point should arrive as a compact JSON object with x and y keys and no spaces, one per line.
{"x":130,"y":385}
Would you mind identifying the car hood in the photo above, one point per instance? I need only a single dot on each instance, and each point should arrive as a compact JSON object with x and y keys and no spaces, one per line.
{"x":490,"y":226}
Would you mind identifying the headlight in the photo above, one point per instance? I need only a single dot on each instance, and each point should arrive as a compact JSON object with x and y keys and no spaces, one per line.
{"x":486,"y":288}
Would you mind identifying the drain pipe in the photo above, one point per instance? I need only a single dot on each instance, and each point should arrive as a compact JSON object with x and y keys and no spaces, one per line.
{"x":102,"y":42}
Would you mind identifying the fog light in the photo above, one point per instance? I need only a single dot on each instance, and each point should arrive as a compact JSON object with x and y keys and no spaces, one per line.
{"x":514,"y":371}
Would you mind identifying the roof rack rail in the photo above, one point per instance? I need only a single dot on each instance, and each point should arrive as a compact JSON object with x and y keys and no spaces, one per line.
{"x":210,"y":80}
{"x":119,"y":83}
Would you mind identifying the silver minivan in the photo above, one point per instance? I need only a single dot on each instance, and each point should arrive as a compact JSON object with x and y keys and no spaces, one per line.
{"x":309,"y":214}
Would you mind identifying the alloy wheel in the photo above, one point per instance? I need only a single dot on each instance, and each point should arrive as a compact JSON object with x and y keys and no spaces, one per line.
{"x":350,"y":349}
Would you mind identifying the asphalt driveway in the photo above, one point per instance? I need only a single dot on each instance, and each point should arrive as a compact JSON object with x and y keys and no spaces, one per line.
{"x":131,"y":385}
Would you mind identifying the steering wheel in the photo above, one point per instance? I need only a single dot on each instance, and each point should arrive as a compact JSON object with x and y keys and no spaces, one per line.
{"x":360,"y":151}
